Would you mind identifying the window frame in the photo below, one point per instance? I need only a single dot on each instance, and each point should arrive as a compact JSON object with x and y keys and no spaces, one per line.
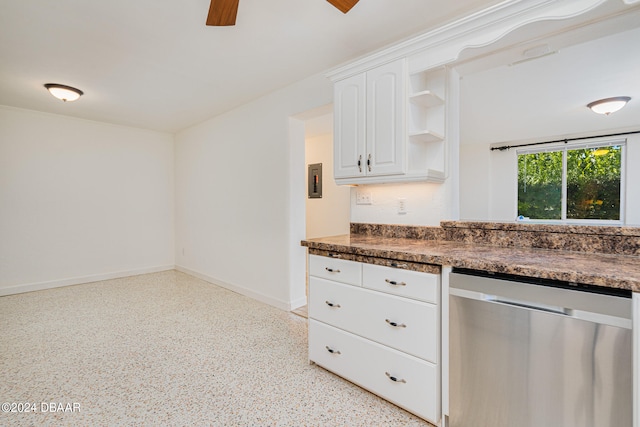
{"x":564,"y":148}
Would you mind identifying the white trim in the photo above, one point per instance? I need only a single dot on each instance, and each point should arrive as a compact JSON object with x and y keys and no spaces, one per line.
{"x":444,"y":44}
{"x":297,"y":209}
{"x":39,"y":286}
{"x":636,"y":359}
{"x":565,"y":181}
{"x":444,"y":337}
{"x":564,"y":148}
{"x":298,"y":303}
{"x":603,"y":222}
{"x":623,"y":183}
{"x":283,"y":305}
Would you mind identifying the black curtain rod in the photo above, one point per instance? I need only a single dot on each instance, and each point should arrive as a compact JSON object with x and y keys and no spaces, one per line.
{"x":506,"y":147}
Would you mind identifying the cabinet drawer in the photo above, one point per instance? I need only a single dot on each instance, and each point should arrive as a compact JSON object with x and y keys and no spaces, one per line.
{"x":406,"y":283}
{"x":339,"y":270}
{"x":367,"y":364}
{"x":406,"y":325}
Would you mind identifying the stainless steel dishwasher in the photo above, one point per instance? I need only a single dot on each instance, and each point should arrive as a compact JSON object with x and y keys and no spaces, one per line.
{"x":538,"y":353}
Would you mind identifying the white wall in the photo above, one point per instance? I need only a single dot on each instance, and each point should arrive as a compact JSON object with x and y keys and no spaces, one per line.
{"x":540,"y":100}
{"x":329,"y":215}
{"x":632,"y":199}
{"x":488,"y":183}
{"x":499,"y":198}
{"x":81,"y":201}
{"x":240,"y":180}
{"x":426,"y":204}
{"x":547,"y":96}
{"x":475,"y":182}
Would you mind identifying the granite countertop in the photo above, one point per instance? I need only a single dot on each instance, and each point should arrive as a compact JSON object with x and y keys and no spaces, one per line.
{"x":607,"y":270}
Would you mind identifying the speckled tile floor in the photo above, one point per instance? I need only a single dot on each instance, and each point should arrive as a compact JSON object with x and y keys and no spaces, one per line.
{"x":167,"y":349}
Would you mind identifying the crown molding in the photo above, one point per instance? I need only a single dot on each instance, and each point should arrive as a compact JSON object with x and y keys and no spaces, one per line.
{"x":442,"y":45}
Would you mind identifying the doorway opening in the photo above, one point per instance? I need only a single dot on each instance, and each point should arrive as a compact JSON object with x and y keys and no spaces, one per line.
{"x":328,"y":215}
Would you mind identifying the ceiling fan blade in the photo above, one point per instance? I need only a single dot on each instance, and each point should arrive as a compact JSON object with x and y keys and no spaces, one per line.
{"x":343,"y":5}
{"x":222,"y":13}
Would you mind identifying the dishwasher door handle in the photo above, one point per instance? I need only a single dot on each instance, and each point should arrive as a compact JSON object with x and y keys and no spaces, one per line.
{"x":527,"y":304}
{"x":604,"y":319}
{"x":509,"y":301}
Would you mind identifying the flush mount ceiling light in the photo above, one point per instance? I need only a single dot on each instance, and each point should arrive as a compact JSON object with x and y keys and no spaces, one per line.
{"x":608,"y":105}
{"x":63,"y":92}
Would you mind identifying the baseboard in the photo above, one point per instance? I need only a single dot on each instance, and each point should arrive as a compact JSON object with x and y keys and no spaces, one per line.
{"x":283,"y":305}
{"x":30,"y":287}
{"x":298,"y":303}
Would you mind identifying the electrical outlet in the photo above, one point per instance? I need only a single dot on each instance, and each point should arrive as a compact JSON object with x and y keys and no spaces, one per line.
{"x":402,"y":206}
{"x":363,"y":197}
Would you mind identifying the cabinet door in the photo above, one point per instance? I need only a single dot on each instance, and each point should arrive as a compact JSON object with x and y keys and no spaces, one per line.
{"x":386,"y":132}
{"x":349,"y":127}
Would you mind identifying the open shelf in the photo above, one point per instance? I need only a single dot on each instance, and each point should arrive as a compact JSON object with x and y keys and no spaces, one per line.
{"x":426,"y":99}
{"x":426,"y":136}
{"x":427,"y":106}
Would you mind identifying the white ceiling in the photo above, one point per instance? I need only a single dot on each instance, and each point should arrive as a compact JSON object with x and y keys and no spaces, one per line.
{"x":154,"y":64}
{"x":546,"y":97}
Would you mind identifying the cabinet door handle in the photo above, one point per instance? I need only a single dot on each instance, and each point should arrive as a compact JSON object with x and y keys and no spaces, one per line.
{"x":335,"y":256}
{"x":396,"y":265}
{"x":331,"y":270}
{"x":394,"y":324}
{"x":369,"y":162}
{"x":330,"y":304}
{"x":394,"y":283}
{"x":332,"y":351}
{"x":395,"y":379}
{"x":360,"y":162}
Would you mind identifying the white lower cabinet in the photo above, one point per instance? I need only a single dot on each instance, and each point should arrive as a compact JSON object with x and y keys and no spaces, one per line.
{"x":401,"y":323}
{"x":379,"y":338}
{"x":338,"y":270}
{"x":407,"y":381}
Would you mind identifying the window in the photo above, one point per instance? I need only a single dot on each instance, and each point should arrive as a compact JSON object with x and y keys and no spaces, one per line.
{"x":572,"y":183}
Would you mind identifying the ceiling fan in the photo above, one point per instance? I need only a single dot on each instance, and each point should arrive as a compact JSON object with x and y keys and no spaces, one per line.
{"x":223,"y":12}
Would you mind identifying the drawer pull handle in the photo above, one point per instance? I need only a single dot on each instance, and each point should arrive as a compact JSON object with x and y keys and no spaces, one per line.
{"x":335,"y":256}
{"x":396,"y":265}
{"x":394,"y":324}
{"x":394,"y":379}
{"x":332,"y":351}
{"x":330,"y":304}
{"x":331,"y":270}
{"x":394,"y":283}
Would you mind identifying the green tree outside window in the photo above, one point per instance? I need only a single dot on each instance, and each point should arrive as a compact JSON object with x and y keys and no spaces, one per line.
{"x":593,"y":184}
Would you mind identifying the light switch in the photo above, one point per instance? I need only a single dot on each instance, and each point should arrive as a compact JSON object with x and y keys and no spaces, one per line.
{"x":402,"y":206}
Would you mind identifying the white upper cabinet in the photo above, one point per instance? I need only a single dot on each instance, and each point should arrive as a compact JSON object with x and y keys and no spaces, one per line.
{"x":396,"y":111}
{"x":369,"y":123}
{"x":349,"y":126}
{"x":385,"y":149}
{"x":389,"y":126}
